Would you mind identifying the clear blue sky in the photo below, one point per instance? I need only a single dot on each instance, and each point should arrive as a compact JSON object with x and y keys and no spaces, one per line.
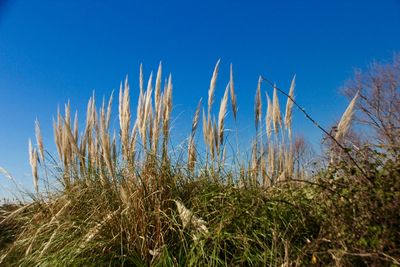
{"x":52,"y":51}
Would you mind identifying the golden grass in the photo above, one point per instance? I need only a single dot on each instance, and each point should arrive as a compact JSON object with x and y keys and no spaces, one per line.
{"x":99,"y":154}
{"x":95,"y":153}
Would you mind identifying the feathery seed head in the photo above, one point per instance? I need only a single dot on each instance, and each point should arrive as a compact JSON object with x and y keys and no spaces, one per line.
{"x":268,"y":117}
{"x":39,"y":139}
{"x":289,"y":107}
{"x":189,"y":219}
{"x":213,"y":83}
{"x":257,"y":104}
{"x":33,"y":160}
{"x":158,"y":88}
{"x":222,"y":115}
{"x":276,"y":112}
{"x":232,"y":93}
{"x":346,"y":119}
{"x":141,"y":79}
{"x":205,"y":128}
{"x":196,"y":118}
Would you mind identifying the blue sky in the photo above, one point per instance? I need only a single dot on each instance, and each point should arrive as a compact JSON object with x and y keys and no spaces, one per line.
{"x":52,"y":51}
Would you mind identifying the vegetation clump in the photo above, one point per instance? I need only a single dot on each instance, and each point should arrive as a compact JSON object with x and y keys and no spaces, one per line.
{"x":125,"y":199}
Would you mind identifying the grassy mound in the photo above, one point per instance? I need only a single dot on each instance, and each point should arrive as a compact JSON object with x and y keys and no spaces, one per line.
{"x":125,"y":200}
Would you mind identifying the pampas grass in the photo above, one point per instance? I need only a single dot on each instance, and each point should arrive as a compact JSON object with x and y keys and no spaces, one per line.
{"x":39,"y":139}
{"x":33,"y":161}
{"x":221,"y":117}
{"x":268,"y":117}
{"x":124,"y":117}
{"x":95,"y":153}
{"x":232,"y":93}
{"x":189,"y":219}
{"x":276,"y":112}
{"x":289,"y":107}
{"x":345,"y":121}
{"x":257,"y":105}
{"x":192,"y":147}
{"x":211,"y":90}
{"x":118,"y":188}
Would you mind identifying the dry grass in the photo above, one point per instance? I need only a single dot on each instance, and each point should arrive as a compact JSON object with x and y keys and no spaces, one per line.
{"x":94,"y":157}
{"x":129,"y":181}
{"x":134,"y":164}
